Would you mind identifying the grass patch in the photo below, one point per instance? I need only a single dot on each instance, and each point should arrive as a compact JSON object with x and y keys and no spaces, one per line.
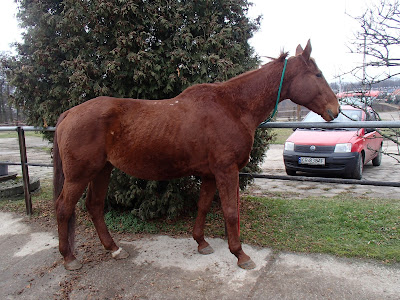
{"x":126,"y":222}
{"x":14,"y":134}
{"x":8,"y":134}
{"x":281,"y":134}
{"x":342,"y":226}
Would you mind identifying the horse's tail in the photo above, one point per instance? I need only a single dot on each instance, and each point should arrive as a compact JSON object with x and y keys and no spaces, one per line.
{"x":58,"y":173}
{"x":58,"y":182}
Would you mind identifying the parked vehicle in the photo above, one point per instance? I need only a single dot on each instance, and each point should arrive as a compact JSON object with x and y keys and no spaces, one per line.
{"x":342,"y":151}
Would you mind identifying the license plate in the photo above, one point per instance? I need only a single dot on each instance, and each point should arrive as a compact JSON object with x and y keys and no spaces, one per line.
{"x":315,"y":161}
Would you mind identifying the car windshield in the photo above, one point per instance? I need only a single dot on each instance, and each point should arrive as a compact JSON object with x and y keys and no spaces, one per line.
{"x":347,"y":115}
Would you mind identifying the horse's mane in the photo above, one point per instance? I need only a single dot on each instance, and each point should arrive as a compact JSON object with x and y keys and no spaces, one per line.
{"x":281,"y":58}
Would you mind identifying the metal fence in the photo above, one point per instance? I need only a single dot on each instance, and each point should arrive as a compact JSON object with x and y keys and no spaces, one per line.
{"x":362,"y":124}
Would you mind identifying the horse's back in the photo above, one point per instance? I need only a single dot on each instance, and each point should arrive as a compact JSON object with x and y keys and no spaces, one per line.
{"x":137,"y":136}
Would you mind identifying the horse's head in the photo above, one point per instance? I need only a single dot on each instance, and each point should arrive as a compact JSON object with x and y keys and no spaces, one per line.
{"x":308,"y":86}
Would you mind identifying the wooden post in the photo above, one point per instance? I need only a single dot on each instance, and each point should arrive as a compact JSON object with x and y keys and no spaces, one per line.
{"x":25,"y":173}
{"x":298,"y":113}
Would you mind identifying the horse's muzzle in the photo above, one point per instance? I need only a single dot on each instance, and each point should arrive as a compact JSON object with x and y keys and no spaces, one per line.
{"x":332,"y":115}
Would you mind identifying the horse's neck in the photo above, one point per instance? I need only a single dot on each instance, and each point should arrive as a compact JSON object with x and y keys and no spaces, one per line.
{"x":254,"y":94}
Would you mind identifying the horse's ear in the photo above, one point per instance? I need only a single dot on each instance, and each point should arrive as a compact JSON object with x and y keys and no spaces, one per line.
{"x":307,"y":51}
{"x":299,"y":50}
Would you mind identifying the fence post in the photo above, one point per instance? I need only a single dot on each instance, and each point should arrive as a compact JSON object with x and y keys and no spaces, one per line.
{"x":25,"y":173}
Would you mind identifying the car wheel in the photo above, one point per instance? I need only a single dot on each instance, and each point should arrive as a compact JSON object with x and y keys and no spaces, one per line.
{"x":357,"y":173}
{"x":378,"y":159}
{"x":290,"y":172}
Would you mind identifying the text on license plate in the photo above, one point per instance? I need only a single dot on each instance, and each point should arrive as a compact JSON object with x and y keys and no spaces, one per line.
{"x":317,"y":161}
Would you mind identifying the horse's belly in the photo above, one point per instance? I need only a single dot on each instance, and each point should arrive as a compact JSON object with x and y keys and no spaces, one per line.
{"x":159,"y":167}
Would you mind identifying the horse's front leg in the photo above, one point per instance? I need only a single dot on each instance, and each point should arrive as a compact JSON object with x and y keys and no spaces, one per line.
{"x":228,"y":184}
{"x":207,"y":192}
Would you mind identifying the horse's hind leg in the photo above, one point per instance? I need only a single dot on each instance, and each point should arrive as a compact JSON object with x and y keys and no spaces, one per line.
{"x":207,"y":192}
{"x":96,"y":194}
{"x":65,"y":211}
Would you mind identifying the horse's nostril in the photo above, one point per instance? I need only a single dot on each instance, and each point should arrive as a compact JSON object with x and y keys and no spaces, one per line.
{"x":330,"y":113}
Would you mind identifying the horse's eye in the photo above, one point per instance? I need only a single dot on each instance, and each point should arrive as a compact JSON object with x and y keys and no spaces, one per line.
{"x":319,"y":75}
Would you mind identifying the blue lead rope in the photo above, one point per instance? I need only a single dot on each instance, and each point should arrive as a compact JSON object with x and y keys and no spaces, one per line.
{"x":279,"y":95}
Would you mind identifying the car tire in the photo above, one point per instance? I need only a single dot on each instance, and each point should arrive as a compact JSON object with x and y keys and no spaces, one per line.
{"x":378,"y":159}
{"x":357,"y":173}
{"x":291,"y":172}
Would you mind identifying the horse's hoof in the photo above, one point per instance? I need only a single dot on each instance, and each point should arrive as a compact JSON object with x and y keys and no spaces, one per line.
{"x":120,"y":254}
{"x":207,"y":250}
{"x":72,"y":265}
{"x":247,"y":265}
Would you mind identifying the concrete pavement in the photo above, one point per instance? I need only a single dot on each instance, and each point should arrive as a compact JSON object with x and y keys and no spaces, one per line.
{"x":162,"y":267}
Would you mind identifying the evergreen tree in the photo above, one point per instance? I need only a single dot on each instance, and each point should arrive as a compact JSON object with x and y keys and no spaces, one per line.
{"x":77,"y":50}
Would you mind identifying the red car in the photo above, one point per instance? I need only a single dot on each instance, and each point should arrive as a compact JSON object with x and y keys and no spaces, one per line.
{"x":342,"y":151}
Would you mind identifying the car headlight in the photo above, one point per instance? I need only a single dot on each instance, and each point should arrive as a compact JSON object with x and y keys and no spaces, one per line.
{"x":346,"y":147}
{"x":289,"y":146}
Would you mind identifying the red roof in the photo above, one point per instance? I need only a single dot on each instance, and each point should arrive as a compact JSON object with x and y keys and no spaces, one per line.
{"x":355,"y":94}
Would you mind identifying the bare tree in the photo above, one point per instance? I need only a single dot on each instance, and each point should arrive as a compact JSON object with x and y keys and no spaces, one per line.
{"x":378,"y":40}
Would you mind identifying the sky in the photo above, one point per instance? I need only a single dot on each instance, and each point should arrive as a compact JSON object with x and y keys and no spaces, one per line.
{"x":285,"y":24}
{"x":9,"y":30}
{"x":327,"y":23}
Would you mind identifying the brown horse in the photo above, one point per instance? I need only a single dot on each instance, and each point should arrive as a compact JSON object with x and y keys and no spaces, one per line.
{"x":207,"y":130}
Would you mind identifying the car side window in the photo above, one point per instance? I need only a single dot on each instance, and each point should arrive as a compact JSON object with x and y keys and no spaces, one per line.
{"x":371,"y":116}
